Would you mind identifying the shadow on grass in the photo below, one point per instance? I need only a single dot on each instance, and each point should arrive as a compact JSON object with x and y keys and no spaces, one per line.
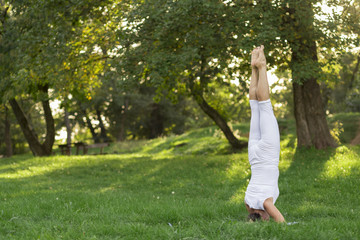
{"x":302,"y":183}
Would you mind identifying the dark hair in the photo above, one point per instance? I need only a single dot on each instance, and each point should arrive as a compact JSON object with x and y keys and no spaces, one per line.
{"x":253,"y":217}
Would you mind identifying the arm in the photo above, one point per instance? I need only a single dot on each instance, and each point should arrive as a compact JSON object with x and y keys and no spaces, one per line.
{"x":273,"y":211}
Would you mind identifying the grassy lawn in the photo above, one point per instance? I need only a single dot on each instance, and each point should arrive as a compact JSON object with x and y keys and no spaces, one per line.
{"x":181,"y":187}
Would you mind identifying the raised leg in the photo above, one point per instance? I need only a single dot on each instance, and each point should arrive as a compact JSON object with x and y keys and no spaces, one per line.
{"x":268,"y":124}
{"x":255,"y":132}
{"x":262,"y":90}
{"x":254,"y":75}
{"x":269,"y":127}
{"x":254,"y":105}
{"x":253,"y":84}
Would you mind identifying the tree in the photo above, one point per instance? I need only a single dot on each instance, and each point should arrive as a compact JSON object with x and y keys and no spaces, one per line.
{"x":180,"y":47}
{"x":35,"y":46}
{"x":295,"y":38}
{"x":311,"y":124}
{"x":38,"y":149}
{"x":9,"y":47}
{"x":17,"y":58}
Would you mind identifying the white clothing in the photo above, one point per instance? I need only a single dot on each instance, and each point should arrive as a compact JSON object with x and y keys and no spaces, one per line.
{"x":264,"y":151}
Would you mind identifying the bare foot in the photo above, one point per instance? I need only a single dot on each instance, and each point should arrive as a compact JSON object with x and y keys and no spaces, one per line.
{"x":260,"y":61}
{"x":254,"y":57}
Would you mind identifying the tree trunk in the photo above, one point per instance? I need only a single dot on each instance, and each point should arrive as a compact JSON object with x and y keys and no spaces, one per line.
{"x":50,"y":124}
{"x":302,"y":129}
{"x":103,"y":135}
{"x":29,"y":133}
{"x":219,"y":121}
{"x":156,"y":121}
{"x":7,"y":137}
{"x":316,"y":116}
{"x":311,"y":125}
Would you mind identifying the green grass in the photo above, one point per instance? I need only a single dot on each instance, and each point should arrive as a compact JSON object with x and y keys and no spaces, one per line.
{"x":181,"y":187}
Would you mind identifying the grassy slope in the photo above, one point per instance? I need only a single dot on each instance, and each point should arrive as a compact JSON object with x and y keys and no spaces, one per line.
{"x":160,"y":190}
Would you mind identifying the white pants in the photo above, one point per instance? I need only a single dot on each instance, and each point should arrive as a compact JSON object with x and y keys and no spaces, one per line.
{"x":264,"y":151}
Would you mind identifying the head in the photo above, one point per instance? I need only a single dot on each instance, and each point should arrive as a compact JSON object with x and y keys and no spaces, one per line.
{"x":253,"y":217}
{"x":257,"y":214}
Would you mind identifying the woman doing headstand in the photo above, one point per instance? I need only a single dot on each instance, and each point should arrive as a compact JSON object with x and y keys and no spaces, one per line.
{"x":264,"y":145}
